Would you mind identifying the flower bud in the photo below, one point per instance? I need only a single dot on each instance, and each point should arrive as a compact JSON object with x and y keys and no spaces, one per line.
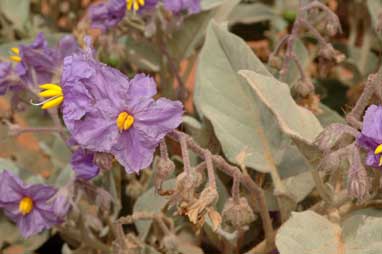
{"x":237,"y":215}
{"x":358,"y":180}
{"x":331,"y":136}
{"x":275,"y":62}
{"x":304,"y":87}
{"x":328,"y":52}
{"x":103,"y":160}
{"x":165,"y":168}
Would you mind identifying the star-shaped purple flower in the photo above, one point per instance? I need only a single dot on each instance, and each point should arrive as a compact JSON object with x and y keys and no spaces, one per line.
{"x":107,"y":112}
{"x":371,"y":136}
{"x":27,"y":205}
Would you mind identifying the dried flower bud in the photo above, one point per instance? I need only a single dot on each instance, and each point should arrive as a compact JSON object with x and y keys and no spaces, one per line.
{"x":328,"y":52}
{"x":170,"y":243}
{"x":358,"y":180}
{"x":165,"y":168}
{"x":331,"y":29}
{"x":332,"y":135}
{"x":275,"y":62}
{"x":103,"y":160}
{"x":304,"y":87}
{"x":237,"y":215}
{"x":134,"y":189}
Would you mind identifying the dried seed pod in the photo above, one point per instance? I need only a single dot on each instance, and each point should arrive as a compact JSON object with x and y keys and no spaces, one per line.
{"x":165,"y":168}
{"x":237,"y":215}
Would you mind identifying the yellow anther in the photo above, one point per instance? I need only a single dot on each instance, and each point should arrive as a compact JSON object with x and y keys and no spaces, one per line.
{"x":50,"y":93}
{"x":135,"y":4}
{"x":380,"y":161}
{"x":378,"y":150}
{"x":16,"y":51}
{"x":124,"y":121}
{"x":50,"y":87}
{"x":25,"y":205}
{"x":54,"y":93}
{"x":16,"y":59}
{"x":53,"y":103}
{"x":128,"y":122}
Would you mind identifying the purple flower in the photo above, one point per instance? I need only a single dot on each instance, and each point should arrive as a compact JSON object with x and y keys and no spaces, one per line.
{"x":27,"y":205}
{"x":5,"y":71}
{"x":109,"y":14}
{"x":106,"y":112}
{"x":371,"y":136}
{"x":177,"y":6}
{"x":82,"y":163}
{"x":38,"y":63}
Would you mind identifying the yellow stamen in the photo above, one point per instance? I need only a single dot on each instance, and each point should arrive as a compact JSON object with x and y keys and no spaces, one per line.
{"x":53,"y":103}
{"x":378,"y":150}
{"x":16,"y":59}
{"x":54,"y":93}
{"x":16,"y":51}
{"x":124,"y":121}
{"x":50,"y":86}
{"x":135,"y":4}
{"x":380,"y":161}
{"x":25,"y":205}
{"x":50,"y":93}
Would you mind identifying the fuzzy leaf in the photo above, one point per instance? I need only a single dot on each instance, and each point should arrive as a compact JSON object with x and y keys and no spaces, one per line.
{"x":241,"y":122}
{"x":295,"y":120}
{"x":309,"y":233}
{"x":150,"y":202}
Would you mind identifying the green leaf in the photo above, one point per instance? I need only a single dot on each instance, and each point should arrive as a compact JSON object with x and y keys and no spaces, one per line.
{"x":256,"y":12}
{"x":241,"y":122}
{"x":296,"y":121}
{"x":16,"y":11}
{"x":185,"y":40}
{"x":150,"y":202}
{"x":142,"y":54}
{"x":375,"y":8}
{"x":293,"y":74}
{"x":309,"y":233}
{"x":362,"y":232}
{"x":329,"y":116}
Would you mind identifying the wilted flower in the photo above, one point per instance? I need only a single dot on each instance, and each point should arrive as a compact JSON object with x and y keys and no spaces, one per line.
{"x":27,"y":205}
{"x":177,"y":6}
{"x":106,"y":112}
{"x":204,"y":205}
{"x":83,"y":164}
{"x":371,"y":136}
